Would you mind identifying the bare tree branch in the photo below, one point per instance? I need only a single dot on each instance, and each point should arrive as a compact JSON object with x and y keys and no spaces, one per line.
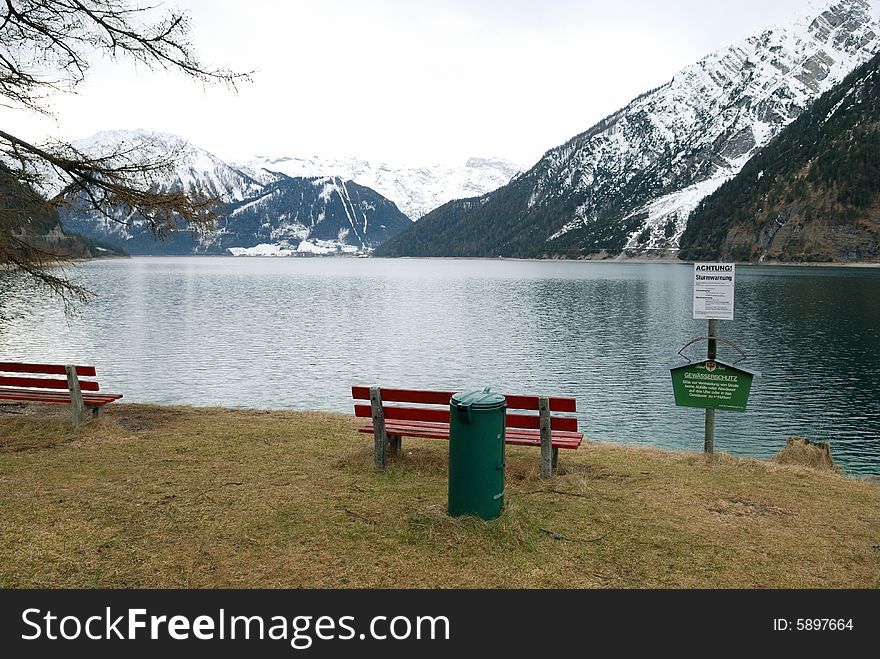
{"x":46,"y":47}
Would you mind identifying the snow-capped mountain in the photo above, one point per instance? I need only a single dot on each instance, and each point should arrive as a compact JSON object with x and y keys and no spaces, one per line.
{"x":195,"y":170}
{"x":261,"y":214}
{"x":415,"y":190}
{"x":630,"y":182}
{"x":811,"y":195}
{"x":313,"y":215}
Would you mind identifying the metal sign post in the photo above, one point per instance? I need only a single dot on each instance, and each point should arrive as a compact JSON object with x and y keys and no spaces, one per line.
{"x":711,"y":353}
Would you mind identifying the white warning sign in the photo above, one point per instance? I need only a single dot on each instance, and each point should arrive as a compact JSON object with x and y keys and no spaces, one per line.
{"x":713,"y":291}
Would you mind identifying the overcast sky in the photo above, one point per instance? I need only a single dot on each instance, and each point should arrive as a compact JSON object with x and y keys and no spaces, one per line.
{"x":409,"y":81}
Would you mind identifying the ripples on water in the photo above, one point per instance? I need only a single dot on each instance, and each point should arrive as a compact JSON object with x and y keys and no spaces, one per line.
{"x":297,"y":333}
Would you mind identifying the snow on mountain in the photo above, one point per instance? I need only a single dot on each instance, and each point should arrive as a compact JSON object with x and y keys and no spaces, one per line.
{"x":784,"y":71}
{"x":258,"y":214}
{"x":630,"y":182}
{"x":810,"y":195}
{"x":716,"y":114}
{"x":195,"y":170}
{"x":415,"y":190}
{"x":278,"y":206}
{"x":314,"y":215}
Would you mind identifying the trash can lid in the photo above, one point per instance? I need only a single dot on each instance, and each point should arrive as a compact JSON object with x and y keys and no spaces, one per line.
{"x":479,"y":399}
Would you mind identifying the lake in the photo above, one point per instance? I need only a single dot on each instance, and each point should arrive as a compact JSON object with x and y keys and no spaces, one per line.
{"x":297,"y":333}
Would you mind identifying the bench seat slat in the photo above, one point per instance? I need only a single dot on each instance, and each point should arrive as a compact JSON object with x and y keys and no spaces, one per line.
{"x":442,"y":431}
{"x":435,"y":415}
{"x":424,"y":397}
{"x":515,"y":436}
{"x":45,"y":383}
{"x":419,"y":425}
{"x":46,"y":369}
{"x":9,"y":393}
{"x":443,"y":428}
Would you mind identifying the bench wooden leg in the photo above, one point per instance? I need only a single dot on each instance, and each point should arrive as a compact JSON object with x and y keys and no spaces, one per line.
{"x":548,"y":453}
{"x":555,"y":460}
{"x":97,"y":411}
{"x":395,"y":445}
{"x":77,"y":406}
{"x":380,"y":437}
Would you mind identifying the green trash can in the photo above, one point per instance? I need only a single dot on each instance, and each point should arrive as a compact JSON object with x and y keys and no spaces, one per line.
{"x":476,"y":453}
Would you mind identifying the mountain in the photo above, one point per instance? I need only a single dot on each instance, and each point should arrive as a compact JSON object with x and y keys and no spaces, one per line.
{"x":195,"y":170}
{"x":263,"y":213}
{"x":310,"y":214}
{"x":26,"y":217}
{"x":630,"y":182}
{"x":812,"y":194}
{"x":415,"y":190}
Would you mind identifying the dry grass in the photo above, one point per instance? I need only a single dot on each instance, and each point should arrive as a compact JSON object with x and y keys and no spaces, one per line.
{"x":182,"y":497}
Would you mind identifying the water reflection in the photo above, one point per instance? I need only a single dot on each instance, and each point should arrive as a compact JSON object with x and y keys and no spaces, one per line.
{"x":296,"y":333}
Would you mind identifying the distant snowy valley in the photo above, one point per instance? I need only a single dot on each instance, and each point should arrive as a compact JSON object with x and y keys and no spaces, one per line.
{"x":283,"y":206}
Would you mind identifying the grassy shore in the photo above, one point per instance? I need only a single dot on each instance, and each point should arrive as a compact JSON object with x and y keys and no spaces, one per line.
{"x":183,"y":497}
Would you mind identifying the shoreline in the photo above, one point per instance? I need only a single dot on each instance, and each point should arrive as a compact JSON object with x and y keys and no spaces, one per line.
{"x":609,"y":260}
{"x":61,"y":412}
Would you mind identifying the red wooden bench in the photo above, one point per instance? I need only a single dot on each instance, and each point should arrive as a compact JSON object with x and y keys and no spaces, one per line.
{"x":390,"y":423}
{"x":78,"y":393}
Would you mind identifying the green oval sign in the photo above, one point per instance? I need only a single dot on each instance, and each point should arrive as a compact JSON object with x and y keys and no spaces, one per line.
{"x":712,"y":384}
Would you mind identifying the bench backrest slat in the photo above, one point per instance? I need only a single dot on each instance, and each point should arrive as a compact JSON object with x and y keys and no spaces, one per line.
{"x":514,"y":401}
{"x":557,"y":404}
{"x":45,"y":383}
{"x":46,"y":369}
{"x":405,"y":396}
{"x":436,"y":415}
